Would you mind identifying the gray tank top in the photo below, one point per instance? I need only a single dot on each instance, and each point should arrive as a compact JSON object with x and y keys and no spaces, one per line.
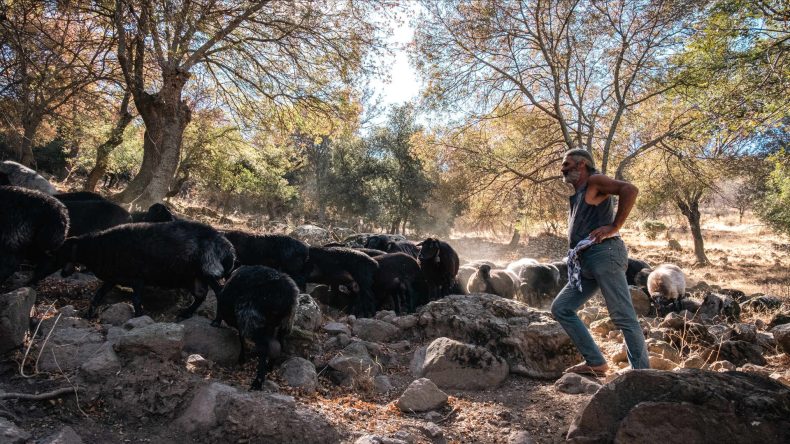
{"x":583,"y":217}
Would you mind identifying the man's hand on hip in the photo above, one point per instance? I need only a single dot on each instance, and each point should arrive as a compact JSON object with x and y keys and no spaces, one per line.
{"x":604,"y":232}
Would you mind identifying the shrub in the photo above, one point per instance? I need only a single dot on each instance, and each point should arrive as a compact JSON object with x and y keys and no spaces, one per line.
{"x":652,"y":228}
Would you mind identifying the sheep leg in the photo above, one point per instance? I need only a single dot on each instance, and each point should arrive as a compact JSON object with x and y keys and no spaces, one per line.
{"x":199,"y":290}
{"x":137,"y":292}
{"x":215,"y":286}
{"x":242,"y":349}
{"x":264,"y":351}
{"x":45,"y":265}
{"x":97,"y":298}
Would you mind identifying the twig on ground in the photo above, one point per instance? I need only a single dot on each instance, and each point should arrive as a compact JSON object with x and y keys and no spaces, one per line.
{"x":41,"y":396}
{"x":30,"y":345}
{"x":74,"y":387}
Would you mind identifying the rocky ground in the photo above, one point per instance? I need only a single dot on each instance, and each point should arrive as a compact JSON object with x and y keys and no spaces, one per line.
{"x":465,"y":369}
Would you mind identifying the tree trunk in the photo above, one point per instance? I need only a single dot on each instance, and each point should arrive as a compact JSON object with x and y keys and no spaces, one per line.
{"x":690,"y":209}
{"x":112,"y":142}
{"x":166,"y":116}
{"x":24,"y":149}
{"x":515,"y":239}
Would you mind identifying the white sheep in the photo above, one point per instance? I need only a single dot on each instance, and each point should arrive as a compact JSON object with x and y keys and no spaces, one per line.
{"x":667,"y":281}
{"x":503,"y":283}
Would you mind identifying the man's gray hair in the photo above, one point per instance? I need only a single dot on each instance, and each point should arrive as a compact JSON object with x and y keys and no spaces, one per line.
{"x":578,"y":154}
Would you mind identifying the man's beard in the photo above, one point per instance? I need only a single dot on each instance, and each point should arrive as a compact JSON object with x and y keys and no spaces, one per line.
{"x":572,"y":177}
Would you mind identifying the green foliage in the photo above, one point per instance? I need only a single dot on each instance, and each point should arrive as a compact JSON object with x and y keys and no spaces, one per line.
{"x":653,"y":228}
{"x":774,"y":207}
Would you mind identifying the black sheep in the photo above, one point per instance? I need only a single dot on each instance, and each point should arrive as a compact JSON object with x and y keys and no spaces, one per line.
{"x":372,"y":252}
{"x":278,"y":251}
{"x":78,"y":195}
{"x":88,"y":216}
{"x":562,"y":267}
{"x":403,"y":247}
{"x":380,"y":241}
{"x":439,"y":264}
{"x":539,"y":284}
{"x":395,"y":281}
{"x":634,"y":267}
{"x":260,"y":302}
{"x":156,"y":213}
{"x":179,"y":254}
{"x":33,"y":225}
{"x":356,"y":271}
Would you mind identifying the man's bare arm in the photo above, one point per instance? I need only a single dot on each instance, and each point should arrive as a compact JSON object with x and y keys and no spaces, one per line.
{"x":627,"y":193}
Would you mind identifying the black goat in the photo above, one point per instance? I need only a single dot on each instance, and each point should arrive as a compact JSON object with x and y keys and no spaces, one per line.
{"x":261,"y":303}
{"x":156,"y":213}
{"x":78,"y":195}
{"x":539,"y":284}
{"x":403,"y":247}
{"x":33,"y":225}
{"x":439,"y":265}
{"x":634,"y":267}
{"x":372,"y":252}
{"x":278,"y":251}
{"x":356,"y":271}
{"x":177,"y":254}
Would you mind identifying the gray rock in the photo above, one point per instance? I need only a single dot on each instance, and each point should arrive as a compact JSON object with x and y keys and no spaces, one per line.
{"x":308,"y":313}
{"x":11,"y":434}
{"x":220,"y":345}
{"x":114,"y":334}
{"x":22,"y":176}
{"x":375,"y":330}
{"x":138,"y":322}
{"x":405,"y":322}
{"x":196,"y":362}
{"x":116,"y":314}
{"x":66,"y":435}
{"x":420,"y":396}
{"x":313,"y":235}
{"x":220,"y":413}
{"x":382,"y":384}
{"x":334,"y":328}
{"x":762,"y":303}
{"x":574,"y":384}
{"x":532,"y":343}
{"x":208,"y":309}
{"x":165,"y":340}
{"x":300,"y":373}
{"x":355,"y":362}
{"x":745,"y":332}
{"x":746,"y":408}
{"x":603,"y":327}
{"x":782,"y":336}
{"x":101,"y":365}
{"x":739,"y":353}
{"x":719,"y":306}
{"x":453,"y":364}
{"x":69,"y":347}
{"x":721,"y":366}
{"x":430,"y":429}
{"x":640,"y":300}
{"x":376,"y":439}
{"x":520,"y":437}
{"x":15,"y":317}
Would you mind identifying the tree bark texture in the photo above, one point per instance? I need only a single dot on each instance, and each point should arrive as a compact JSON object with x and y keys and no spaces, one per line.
{"x":106,"y":148}
{"x":166,"y":116}
{"x":690,"y":209}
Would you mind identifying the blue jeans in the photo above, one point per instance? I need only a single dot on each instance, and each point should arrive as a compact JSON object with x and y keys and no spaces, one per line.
{"x":603,"y":265}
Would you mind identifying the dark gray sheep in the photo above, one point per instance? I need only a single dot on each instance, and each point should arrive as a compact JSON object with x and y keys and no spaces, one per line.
{"x":179,"y":254}
{"x":278,"y":251}
{"x":336,"y":266}
{"x":439,"y":264}
{"x":380,"y":241}
{"x":261,"y":303}
{"x":33,"y":225}
{"x":403,"y":247}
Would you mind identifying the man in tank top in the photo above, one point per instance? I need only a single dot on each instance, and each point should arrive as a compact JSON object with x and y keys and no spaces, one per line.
{"x":602,"y":263}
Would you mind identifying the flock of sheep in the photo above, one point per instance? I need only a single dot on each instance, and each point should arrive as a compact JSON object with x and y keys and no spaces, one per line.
{"x":257,"y":277}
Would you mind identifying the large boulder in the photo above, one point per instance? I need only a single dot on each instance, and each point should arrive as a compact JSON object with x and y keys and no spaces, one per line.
{"x":300,"y":373}
{"x":532,"y":343}
{"x":102,"y":364}
{"x":116,"y":314}
{"x":15,"y":317}
{"x":220,"y":345}
{"x":453,"y":364}
{"x":69,"y":347}
{"x":165,"y":340}
{"x":354,"y":363}
{"x":22,"y":176}
{"x":689,"y":406}
{"x":313,"y":235}
{"x":640,"y":300}
{"x":220,"y":413}
{"x":739,"y":352}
